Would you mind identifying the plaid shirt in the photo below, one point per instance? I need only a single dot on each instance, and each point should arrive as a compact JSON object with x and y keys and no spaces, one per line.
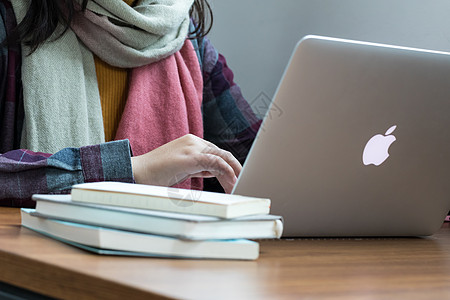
{"x":229,"y":122}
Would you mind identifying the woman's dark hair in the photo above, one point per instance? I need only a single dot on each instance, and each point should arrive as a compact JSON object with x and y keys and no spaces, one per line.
{"x":43,"y":17}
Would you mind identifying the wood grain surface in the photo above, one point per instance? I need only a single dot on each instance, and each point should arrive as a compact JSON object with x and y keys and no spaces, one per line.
{"x":375,"y":268}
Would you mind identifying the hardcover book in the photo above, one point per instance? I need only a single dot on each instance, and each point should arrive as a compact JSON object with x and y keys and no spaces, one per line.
{"x":169,"y":199}
{"x":110,"y":241}
{"x":183,"y":226}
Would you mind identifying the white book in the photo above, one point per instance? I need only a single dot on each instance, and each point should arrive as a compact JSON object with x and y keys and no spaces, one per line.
{"x":169,"y":199}
{"x":184,"y":226}
{"x":139,"y":243}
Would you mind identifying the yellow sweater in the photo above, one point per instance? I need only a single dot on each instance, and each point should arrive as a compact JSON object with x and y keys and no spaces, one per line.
{"x":113,"y":88}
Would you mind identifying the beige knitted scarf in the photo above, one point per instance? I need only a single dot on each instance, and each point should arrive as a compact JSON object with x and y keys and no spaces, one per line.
{"x":61,"y":97}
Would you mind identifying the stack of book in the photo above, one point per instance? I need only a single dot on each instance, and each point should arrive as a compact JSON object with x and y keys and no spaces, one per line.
{"x":141,"y":220}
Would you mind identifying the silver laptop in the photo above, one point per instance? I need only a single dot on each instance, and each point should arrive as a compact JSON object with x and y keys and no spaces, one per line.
{"x":359,"y":144}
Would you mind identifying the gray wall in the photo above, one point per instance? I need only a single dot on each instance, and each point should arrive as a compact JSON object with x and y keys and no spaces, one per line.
{"x":258,"y":36}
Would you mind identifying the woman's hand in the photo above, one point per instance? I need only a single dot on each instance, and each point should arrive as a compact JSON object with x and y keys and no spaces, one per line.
{"x":186,"y":157}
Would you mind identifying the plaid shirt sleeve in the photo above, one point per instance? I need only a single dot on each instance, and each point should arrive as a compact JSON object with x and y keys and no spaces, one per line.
{"x":229,"y":121}
{"x":23,"y":172}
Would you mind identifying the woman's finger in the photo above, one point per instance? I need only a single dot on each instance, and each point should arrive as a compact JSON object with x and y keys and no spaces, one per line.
{"x":218,"y":167}
{"x":225,"y":155}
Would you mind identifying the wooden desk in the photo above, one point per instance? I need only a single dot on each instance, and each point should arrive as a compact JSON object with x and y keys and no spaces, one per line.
{"x":402,"y":268}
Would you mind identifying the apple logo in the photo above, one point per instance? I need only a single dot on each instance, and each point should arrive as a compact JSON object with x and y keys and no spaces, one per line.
{"x":376,"y":150}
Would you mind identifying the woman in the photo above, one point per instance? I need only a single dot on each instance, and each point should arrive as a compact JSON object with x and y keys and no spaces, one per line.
{"x":124,"y":74}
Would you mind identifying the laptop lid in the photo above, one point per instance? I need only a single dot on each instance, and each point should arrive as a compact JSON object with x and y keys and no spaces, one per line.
{"x":360,"y":145}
